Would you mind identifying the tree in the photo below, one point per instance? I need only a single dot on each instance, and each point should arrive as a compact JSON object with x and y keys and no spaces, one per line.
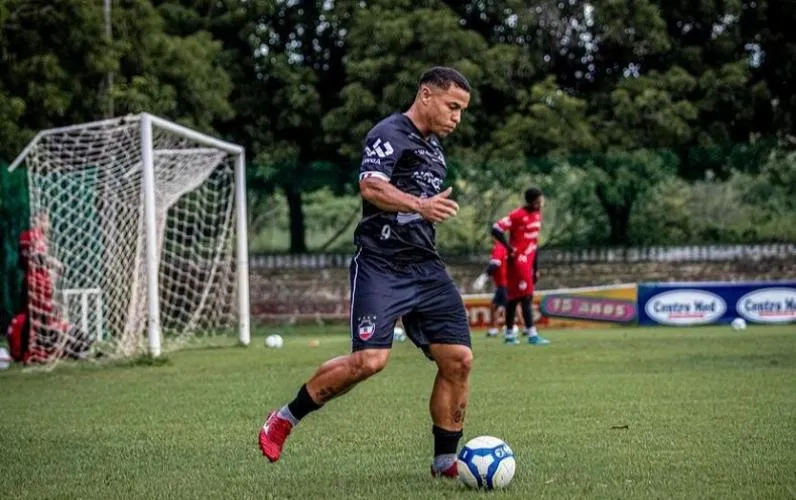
{"x":388,"y":48}
{"x":621,"y":179}
{"x":769,"y":43}
{"x":286,"y":61}
{"x":545,"y":121}
{"x":650,"y":111}
{"x":180,"y":77}
{"x":12,"y":135}
{"x":55,"y":59}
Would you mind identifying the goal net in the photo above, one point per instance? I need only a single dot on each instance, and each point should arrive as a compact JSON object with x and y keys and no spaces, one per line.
{"x":139,"y":238}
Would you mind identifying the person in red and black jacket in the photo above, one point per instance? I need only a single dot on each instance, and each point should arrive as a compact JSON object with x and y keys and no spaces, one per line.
{"x":36,"y":301}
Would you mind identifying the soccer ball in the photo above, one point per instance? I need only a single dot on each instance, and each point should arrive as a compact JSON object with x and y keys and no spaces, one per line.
{"x":5,"y":359}
{"x":274,"y":341}
{"x":486,"y":462}
{"x":398,"y":334}
{"x":738,"y":324}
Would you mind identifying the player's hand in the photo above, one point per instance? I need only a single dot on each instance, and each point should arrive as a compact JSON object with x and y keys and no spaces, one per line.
{"x":439,"y":208}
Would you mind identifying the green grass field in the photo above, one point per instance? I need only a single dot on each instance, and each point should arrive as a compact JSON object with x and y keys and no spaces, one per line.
{"x":627,"y":413}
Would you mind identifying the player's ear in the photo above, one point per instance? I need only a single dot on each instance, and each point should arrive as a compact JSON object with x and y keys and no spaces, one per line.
{"x":425,"y":94}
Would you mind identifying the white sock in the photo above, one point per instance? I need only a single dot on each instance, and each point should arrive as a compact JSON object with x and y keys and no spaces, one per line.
{"x":532,"y":331}
{"x":512,"y":333}
{"x":443,"y":462}
{"x":284,"y":412}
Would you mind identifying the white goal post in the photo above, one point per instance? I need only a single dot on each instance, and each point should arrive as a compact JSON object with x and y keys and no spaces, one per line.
{"x":145,"y":217}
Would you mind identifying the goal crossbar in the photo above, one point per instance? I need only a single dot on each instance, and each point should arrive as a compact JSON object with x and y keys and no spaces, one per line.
{"x":156,"y":121}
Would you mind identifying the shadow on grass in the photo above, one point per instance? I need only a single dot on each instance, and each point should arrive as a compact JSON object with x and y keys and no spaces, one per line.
{"x":143,"y":360}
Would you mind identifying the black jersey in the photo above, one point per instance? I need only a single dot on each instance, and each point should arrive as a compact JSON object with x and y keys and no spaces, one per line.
{"x":396,"y":152}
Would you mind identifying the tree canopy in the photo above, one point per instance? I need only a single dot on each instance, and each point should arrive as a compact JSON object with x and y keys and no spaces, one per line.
{"x":623,"y":95}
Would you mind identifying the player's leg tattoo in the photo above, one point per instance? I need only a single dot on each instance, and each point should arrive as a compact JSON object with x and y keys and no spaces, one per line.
{"x":458,"y":415}
{"x":449,"y":396}
{"x":334,"y":378}
{"x":339,"y":375}
{"x":326,"y":394}
{"x":448,"y":402}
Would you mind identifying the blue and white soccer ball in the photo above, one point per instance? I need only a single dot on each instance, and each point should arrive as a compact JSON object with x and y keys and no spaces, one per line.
{"x":738,"y":324}
{"x":398,"y":334}
{"x":486,"y":462}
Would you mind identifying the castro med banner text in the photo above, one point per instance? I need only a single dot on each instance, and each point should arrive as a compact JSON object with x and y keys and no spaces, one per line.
{"x":685,"y":304}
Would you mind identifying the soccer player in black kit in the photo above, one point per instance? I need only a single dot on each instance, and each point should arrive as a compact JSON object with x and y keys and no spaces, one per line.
{"x":396,"y":271}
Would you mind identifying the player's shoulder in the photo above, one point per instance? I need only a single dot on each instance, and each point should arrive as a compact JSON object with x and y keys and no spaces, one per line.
{"x":519,"y":213}
{"x":393,"y":127}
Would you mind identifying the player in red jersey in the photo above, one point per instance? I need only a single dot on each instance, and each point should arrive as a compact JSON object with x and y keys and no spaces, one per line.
{"x":523,"y":225}
{"x":498,"y":270}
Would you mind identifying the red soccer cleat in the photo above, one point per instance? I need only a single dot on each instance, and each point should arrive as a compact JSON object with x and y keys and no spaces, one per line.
{"x":451,"y":472}
{"x":273,"y":435}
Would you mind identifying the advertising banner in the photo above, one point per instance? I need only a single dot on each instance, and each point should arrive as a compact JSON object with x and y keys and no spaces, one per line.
{"x":589,"y":307}
{"x":687,"y":304}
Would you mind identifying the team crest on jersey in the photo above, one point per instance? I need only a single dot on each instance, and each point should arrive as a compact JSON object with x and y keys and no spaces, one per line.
{"x":523,"y":285}
{"x":366,"y":327}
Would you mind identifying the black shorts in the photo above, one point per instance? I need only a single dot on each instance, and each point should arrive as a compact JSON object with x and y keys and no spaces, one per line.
{"x":422,"y":294}
{"x":501,"y":297}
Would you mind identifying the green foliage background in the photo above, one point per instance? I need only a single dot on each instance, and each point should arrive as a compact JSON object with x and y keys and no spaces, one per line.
{"x":646,"y":122}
